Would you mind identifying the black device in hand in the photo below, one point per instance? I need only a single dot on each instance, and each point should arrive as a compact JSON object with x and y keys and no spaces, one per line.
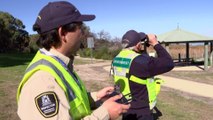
{"x":123,"y":100}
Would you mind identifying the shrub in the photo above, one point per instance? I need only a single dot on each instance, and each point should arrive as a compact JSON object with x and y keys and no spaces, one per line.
{"x":100,"y":53}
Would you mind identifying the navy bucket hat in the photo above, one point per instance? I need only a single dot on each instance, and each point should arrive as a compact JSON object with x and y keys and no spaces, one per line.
{"x":56,"y":14}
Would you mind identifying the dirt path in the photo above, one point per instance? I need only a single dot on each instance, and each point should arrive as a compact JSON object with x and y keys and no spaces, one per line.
{"x":195,"y":88}
{"x":100,"y":72}
{"x":93,"y":71}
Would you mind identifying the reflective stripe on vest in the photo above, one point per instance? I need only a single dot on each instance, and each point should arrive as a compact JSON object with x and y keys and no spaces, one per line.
{"x":76,"y":95}
{"x":69,"y":90}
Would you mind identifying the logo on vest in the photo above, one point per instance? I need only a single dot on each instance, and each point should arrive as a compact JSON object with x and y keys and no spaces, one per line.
{"x":121,"y":62}
{"x":47,"y":104}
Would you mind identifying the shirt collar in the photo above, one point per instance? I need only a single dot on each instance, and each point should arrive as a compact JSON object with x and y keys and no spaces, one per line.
{"x":64,"y":58}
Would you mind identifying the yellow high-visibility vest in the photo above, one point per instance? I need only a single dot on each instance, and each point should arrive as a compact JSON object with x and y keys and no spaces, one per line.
{"x":121,"y":66}
{"x":74,"y":88}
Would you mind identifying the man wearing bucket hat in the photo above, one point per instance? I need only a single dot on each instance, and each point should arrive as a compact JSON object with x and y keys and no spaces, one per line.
{"x":133,"y":71}
{"x":50,"y":88}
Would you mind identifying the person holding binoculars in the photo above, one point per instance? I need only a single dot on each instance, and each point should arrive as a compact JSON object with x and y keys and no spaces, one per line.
{"x":133,"y":71}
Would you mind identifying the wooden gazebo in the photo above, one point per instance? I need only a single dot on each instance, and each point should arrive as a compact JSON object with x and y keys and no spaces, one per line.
{"x":181,"y":36}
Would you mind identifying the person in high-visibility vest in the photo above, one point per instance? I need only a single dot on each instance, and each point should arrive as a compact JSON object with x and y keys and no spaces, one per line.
{"x":133,"y":71}
{"x":50,"y":88}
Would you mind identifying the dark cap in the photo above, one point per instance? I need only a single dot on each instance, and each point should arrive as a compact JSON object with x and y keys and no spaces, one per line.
{"x":56,"y":14}
{"x":132,"y":38}
{"x":143,"y":36}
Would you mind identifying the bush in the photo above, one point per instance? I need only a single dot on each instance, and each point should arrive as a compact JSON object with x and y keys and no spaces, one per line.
{"x":100,"y":53}
{"x":85,"y":52}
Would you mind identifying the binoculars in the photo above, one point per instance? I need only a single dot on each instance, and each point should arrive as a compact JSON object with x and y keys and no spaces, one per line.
{"x":145,"y":41}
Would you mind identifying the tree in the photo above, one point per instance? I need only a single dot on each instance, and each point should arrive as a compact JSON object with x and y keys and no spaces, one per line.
{"x":32,"y":44}
{"x":116,"y":39}
{"x":12,"y":33}
{"x":86,"y":33}
{"x":103,"y":35}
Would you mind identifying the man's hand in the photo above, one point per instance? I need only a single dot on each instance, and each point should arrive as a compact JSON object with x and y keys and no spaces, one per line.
{"x":115,"y":109}
{"x":152,"y":39}
{"x":103,"y":93}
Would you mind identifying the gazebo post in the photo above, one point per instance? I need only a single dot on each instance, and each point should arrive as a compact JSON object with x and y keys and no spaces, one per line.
{"x":167,"y":47}
{"x":187,"y":51}
{"x":211,"y":54}
{"x":205,"y":56}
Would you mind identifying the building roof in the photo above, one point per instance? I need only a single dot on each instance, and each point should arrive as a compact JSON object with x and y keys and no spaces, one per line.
{"x":181,"y":36}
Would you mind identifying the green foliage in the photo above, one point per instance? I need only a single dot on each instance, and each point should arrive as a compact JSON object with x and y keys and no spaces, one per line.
{"x":85,"y":52}
{"x":13,"y":36}
{"x":102,"y":53}
{"x":103,"y":50}
{"x":32,"y":45}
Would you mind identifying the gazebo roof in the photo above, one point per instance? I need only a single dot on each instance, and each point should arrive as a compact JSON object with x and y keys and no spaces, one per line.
{"x":181,"y":36}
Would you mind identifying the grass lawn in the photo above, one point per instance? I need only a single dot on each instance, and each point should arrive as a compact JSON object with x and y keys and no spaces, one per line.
{"x":197,"y":76}
{"x":12,"y":67}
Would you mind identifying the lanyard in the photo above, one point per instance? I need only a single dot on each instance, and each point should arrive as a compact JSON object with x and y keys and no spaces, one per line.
{"x":63,"y":64}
